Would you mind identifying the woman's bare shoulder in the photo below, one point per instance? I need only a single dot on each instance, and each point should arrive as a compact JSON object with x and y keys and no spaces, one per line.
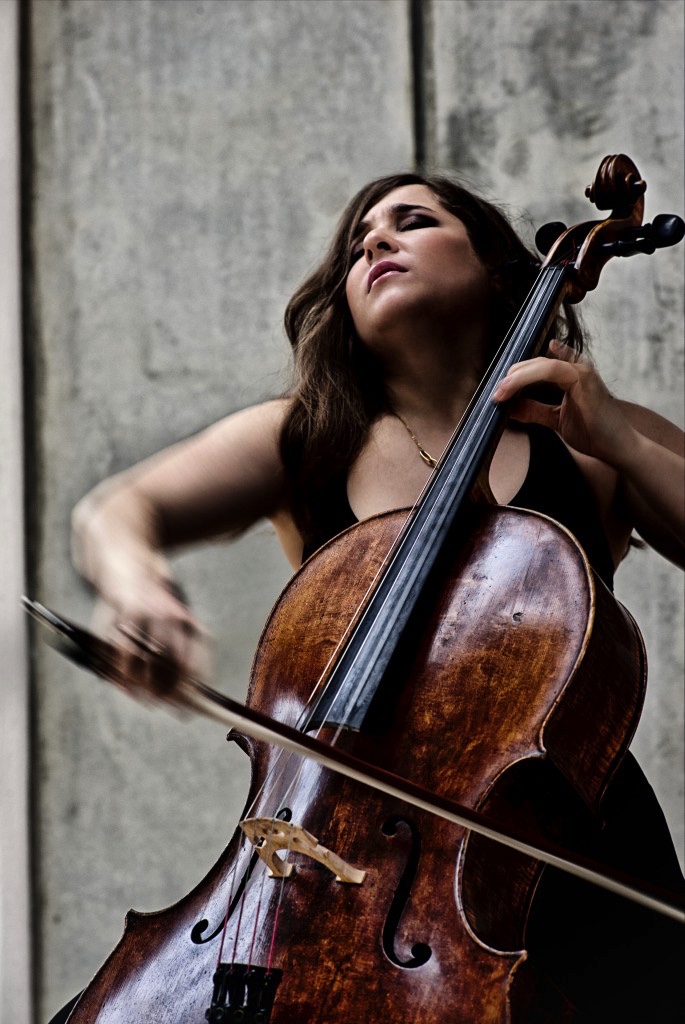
{"x":256,"y":425}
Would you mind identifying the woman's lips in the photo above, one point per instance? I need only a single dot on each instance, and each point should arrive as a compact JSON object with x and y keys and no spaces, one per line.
{"x":384,"y":267}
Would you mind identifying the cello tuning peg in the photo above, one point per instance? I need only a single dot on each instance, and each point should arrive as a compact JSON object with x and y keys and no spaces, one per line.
{"x":667,"y":229}
{"x":546,"y":236}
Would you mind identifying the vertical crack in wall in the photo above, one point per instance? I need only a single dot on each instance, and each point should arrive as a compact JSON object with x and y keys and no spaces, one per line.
{"x":423,"y":82}
{"x":32,"y":473}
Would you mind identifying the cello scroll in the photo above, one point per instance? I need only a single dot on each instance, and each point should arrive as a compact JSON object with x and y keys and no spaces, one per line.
{"x":619,"y":187}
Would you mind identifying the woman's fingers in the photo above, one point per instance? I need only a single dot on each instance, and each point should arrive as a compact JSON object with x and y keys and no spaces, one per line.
{"x":562,"y":366}
{"x":559,"y":350}
{"x":148,"y":664}
{"x":582,"y":410}
{"x":540,"y":370}
{"x":155,"y":643}
{"x":142,"y":640}
{"x":527,"y":410}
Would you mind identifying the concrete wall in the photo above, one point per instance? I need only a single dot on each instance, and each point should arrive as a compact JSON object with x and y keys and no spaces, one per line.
{"x":189,"y":160}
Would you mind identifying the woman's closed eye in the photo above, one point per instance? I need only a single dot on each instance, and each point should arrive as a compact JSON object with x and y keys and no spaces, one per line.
{"x":410,"y":223}
{"x":417,"y":220}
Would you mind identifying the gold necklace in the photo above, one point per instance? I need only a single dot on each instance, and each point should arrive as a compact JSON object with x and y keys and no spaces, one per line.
{"x":426,"y":456}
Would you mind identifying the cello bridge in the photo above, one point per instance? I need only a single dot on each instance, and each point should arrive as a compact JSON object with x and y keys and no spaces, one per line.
{"x":268,"y":835}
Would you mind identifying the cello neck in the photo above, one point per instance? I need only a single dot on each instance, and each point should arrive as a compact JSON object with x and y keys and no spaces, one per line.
{"x":351,"y":693}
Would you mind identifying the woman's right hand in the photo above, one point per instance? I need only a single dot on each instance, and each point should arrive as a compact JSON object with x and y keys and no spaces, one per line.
{"x":141,"y":611}
{"x":213,"y":485}
{"x":155,"y":639}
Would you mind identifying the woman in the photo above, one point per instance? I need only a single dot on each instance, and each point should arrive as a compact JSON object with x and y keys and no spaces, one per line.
{"x":392,"y":335}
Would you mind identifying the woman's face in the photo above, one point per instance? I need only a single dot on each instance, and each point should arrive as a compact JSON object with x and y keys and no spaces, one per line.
{"x":412,"y":258}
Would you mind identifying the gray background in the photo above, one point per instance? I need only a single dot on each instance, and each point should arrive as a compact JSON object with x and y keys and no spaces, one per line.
{"x":187,"y":161}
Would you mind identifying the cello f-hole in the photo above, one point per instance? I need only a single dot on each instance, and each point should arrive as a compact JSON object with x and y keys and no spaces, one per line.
{"x":421,"y":952}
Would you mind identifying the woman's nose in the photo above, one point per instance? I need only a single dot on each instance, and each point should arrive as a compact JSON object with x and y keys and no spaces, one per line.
{"x":377,"y":241}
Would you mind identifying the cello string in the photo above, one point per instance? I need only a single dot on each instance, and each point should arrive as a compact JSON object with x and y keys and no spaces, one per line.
{"x":279,"y":902}
{"x":256,"y":914}
{"x":536,"y":309}
{"x":227,"y":914}
{"x":252,"y":880}
{"x":288,"y":849}
{"x":277,"y":769}
{"x":272,"y":945}
{"x":239,"y":925}
{"x":225,"y":924}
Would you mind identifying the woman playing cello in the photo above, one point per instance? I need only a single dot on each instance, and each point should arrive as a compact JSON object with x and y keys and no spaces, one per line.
{"x":392,"y":335}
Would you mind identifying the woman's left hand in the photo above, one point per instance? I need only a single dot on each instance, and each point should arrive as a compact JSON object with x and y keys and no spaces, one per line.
{"x":588,"y":417}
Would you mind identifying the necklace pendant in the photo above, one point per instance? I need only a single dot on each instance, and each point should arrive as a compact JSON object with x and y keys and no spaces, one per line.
{"x":428,"y":459}
{"x":426,"y":456}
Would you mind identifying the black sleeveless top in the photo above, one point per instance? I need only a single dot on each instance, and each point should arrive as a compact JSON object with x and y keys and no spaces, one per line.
{"x":554,"y":485}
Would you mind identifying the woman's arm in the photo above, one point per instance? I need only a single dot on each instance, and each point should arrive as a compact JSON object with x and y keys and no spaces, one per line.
{"x":645,"y":451}
{"x":652,"y":481}
{"x":214,"y":484}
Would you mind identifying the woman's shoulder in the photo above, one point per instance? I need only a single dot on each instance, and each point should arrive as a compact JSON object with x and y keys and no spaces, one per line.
{"x":256,"y":424}
{"x":253,"y":436}
{"x":236,"y":468}
{"x":241,"y":451}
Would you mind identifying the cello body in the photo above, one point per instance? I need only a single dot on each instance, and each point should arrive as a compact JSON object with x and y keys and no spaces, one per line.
{"x":519,"y":648}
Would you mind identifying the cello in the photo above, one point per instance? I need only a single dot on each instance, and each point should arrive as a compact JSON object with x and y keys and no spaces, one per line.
{"x":480,"y":623}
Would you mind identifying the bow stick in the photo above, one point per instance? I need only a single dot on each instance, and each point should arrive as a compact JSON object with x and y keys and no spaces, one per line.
{"x":89,"y":651}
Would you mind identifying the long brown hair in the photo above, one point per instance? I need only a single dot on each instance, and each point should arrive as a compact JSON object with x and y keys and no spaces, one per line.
{"x":338,"y":388}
